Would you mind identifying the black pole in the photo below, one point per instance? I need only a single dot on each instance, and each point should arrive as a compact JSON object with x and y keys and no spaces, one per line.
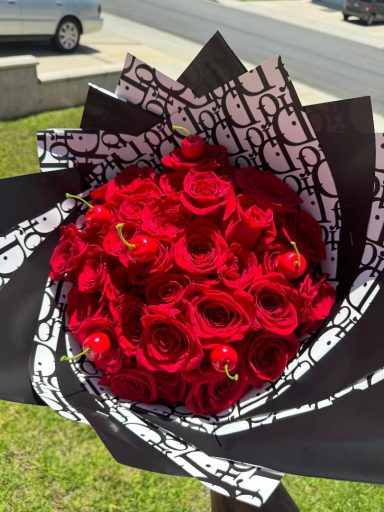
{"x":280,"y":501}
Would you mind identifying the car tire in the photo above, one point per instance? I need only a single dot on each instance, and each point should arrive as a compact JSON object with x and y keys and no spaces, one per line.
{"x":345,"y":17}
{"x":67,"y":35}
{"x":369,"y":21}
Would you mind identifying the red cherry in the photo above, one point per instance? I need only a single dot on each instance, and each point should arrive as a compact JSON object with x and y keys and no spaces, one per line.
{"x":94,"y":345}
{"x":97,"y":343}
{"x":146,"y":248}
{"x":98,"y":217}
{"x":193,"y":147}
{"x":143,"y":247}
{"x":224,"y":359}
{"x":291,"y":265}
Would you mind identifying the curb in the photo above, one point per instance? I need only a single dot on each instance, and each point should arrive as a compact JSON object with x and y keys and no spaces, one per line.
{"x":27,"y":94}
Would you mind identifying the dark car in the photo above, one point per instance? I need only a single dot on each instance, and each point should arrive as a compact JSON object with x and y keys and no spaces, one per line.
{"x":367,"y":10}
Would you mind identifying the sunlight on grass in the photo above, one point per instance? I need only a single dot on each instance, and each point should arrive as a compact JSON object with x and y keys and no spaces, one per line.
{"x":18,"y":153}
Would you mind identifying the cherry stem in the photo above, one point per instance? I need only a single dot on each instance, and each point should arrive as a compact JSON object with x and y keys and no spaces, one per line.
{"x":232,"y":377}
{"x":182,"y":128}
{"x":297,"y":253}
{"x":70,"y":196}
{"x":83,"y":353}
{"x":119,"y":228}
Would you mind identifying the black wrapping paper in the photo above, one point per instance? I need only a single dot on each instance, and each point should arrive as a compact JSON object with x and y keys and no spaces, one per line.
{"x":27,"y":197}
{"x":104,"y":111}
{"x":340,"y":440}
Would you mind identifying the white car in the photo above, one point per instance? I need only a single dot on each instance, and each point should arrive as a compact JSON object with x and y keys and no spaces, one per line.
{"x":62,"y":20}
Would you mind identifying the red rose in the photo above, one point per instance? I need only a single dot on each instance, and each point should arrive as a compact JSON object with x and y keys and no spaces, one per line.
{"x":117,"y":284}
{"x":201,"y":250}
{"x":131,"y":208}
{"x":274,"y":310}
{"x":213,"y":157}
{"x":205,"y":193}
{"x":205,"y":372}
{"x":94,"y":270}
{"x":166,"y":216}
{"x":98,"y":195}
{"x":68,"y":254}
{"x":251,"y":226}
{"x":268,"y":190}
{"x":266,"y":355}
{"x":206,"y":398}
{"x":240,"y":269}
{"x":172,"y":387}
{"x":217,"y":316}
{"x":145,"y":187}
{"x":119,"y":183}
{"x":82,"y":306}
{"x":319,"y":298}
{"x":111,"y":361}
{"x":168,"y":344}
{"x":166,"y":288}
{"x":303,"y":229}
{"x":134,"y":384}
{"x":130,"y":181}
{"x":127,"y":316}
{"x":172,"y":182}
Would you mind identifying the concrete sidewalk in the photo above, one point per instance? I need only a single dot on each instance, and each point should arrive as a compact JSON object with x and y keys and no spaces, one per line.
{"x":109,"y":47}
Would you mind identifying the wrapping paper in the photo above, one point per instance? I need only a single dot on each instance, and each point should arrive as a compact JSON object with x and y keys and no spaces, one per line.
{"x":318,"y":417}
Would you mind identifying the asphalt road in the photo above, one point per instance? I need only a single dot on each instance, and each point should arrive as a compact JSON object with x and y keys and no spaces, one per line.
{"x":336,"y":66}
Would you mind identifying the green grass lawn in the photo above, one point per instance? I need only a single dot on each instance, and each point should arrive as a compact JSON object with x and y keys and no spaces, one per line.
{"x":50,"y":464}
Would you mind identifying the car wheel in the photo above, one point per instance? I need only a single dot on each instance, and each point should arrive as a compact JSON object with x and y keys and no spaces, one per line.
{"x":67,"y":35}
{"x":345,"y":17}
{"x":370,"y":20}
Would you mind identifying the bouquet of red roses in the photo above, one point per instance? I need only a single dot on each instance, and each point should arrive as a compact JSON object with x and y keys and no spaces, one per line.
{"x":193,"y":284}
{"x":199,"y":278}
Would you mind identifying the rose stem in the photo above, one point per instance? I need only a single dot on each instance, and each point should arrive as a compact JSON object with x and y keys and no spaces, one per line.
{"x":178,"y":127}
{"x":119,"y":228}
{"x":298,"y":261}
{"x":70,"y":196}
{"x":232,"y":377}
{"x":65,"y":358}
